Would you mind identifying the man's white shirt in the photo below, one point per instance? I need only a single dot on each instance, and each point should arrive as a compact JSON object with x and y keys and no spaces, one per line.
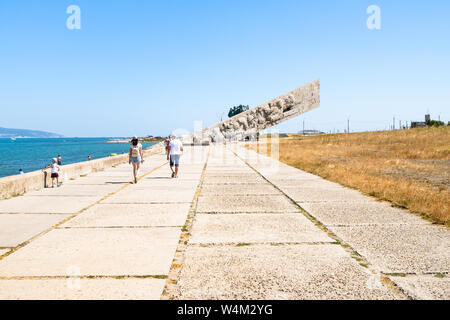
{"x":175,"y":147}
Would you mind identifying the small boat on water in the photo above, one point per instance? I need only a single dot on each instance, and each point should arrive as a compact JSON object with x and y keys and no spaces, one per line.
{"x":13,"y":139}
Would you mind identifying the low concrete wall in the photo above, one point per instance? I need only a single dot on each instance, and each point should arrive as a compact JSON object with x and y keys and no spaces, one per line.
{"x":19,"y":184}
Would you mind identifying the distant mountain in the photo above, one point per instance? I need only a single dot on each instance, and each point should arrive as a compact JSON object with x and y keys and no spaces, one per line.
{"x":23,"y":133}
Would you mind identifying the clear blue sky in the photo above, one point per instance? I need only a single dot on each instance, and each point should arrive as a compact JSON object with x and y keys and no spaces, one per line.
{"x":148,"y":67}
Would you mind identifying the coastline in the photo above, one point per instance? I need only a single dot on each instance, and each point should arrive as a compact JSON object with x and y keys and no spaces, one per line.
{"x":128,"y":140}
{"x":16,"y":185}
{"x":34,"y":154}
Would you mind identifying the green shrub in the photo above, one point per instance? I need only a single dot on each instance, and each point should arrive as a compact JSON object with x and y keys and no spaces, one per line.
{"x":237,"y":109}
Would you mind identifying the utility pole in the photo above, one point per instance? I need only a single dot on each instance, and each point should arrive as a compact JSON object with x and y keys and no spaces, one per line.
{"x":393,"y":123}
{"x":400,"y":124}
{"x":348,"y":125}
{"x":303,"y":126}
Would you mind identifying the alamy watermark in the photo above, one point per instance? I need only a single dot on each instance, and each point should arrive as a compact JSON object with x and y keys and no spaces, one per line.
{"x":374,"y":20}
{"x":73,"y":22}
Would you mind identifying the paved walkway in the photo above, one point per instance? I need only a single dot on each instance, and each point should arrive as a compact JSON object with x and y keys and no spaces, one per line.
{"x":234,"y":225}
{"x":97,"y":237}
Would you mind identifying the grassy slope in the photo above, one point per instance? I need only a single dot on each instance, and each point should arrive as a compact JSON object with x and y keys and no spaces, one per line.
{"x":409,"y":168}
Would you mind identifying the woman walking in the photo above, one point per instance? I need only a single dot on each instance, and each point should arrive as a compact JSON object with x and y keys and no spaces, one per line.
{"x":135,"y":156}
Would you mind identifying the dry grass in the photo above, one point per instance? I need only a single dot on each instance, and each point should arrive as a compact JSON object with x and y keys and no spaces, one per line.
{"x":409,"y":168}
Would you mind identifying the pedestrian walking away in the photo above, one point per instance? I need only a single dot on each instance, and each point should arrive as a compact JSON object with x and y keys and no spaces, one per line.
{"x":135,"y":156}
{"x":174,"y":151}
{"x":166,"y":143}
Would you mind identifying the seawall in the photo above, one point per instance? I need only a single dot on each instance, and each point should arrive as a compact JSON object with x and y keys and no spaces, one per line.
{"x":16,"y":185}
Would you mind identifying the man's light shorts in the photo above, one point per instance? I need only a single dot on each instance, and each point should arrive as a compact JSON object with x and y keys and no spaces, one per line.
{"x":175,"y":160}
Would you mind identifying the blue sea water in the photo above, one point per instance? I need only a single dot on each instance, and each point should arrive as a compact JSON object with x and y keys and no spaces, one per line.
{"x":35,"y":154}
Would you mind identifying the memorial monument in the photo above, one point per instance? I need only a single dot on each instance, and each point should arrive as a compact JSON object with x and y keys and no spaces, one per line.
{"x":245,"y":125}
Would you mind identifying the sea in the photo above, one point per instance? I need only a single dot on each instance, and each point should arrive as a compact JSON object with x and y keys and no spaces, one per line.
{"x":34,"y":154}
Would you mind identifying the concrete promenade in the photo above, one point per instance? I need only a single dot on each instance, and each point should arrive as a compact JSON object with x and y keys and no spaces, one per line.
{"x":234,"y":225}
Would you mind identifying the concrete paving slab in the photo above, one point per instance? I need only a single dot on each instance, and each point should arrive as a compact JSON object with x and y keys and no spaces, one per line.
{"x":191,"y":166}
{"x":224,"y":166}
{"x":354,"y":213}
{"x":176,"y":188}
{"x":238,"y":189}
{"x":17,"y":228}
{"x":400,"y":248}
{"x":126,"y":215}
{"x":324,"y":194}
{"x":255,"y":228}
{"x":188,"y":174}
{"x":82,"y":289}
{"x":163,"y":172}
{"x":76,"y":190}
{"x":230,"y":161}
{"x":46,"y":204}
{"x":226,"y":172}
{"x":236,"y":175}
{"x":121,"y":168}
{"x":146,"y":196}
{"x":167,"y":175}
{"x":166,"y":183}
{"x":113,"y":174}
{"x":225,"y":179}
{"x":106,"y":252}
{"x":245,"y":204}
{"x":275,"y":272}
{"x":293,"y":174}
{"x":424,"y":287}
{"x":268,"y":167}
{"x":221,"y":168}
{"x":266,"y":171}
{"x":150,"y":163}
{"x":299,"y":183}
{"x":290,"y":173}
{"x":99,"y":181}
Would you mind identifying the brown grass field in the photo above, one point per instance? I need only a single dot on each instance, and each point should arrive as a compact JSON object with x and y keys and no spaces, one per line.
{"x":409,"y":168}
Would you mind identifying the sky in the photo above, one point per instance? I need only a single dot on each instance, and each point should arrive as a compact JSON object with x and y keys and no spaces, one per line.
{"x":150,"y":67}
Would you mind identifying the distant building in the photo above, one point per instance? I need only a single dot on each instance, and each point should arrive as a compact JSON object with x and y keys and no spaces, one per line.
{"x":416,"y":124}
{"x":419,"y":124}
{"x":310,"y":132}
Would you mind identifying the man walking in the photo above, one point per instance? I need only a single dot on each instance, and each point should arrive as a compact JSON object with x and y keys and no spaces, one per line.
{"x":173,"y":154}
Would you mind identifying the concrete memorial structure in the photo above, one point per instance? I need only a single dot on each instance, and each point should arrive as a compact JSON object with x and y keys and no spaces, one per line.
{"x":248,"y":123}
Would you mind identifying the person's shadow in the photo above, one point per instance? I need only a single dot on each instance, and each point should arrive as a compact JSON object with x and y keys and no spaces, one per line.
{"x":151,"y":178}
